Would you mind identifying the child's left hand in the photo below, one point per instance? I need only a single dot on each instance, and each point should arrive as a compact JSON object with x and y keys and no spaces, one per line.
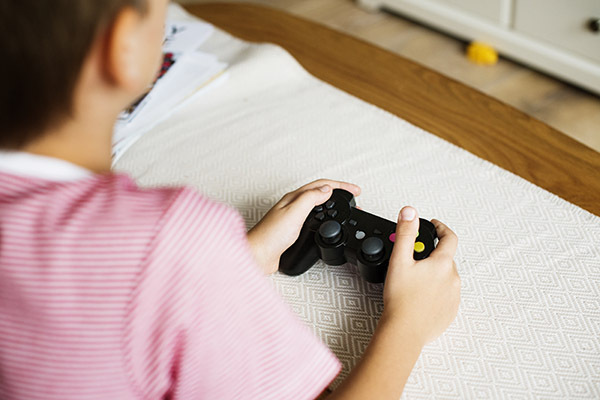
{"x":280,"y":228}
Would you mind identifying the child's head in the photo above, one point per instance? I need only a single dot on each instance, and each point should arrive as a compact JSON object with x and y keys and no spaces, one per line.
{"x":56,"y":52}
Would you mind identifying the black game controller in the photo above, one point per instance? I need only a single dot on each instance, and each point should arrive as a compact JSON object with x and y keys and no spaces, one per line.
{"x":337,"y":232}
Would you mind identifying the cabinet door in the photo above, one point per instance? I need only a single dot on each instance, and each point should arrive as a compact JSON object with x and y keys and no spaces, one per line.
{"x":492,"y":10}
{"x":562,"y":23}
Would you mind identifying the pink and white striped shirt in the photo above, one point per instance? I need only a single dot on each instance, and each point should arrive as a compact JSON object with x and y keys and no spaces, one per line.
{"x":109,"y":291}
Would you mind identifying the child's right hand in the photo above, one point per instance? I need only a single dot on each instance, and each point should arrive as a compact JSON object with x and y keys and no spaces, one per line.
{"x":420,"y":300}
{"x":423,"y":294}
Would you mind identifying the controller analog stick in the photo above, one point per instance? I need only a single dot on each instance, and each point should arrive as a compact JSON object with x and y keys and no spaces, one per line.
{"x":372,"y":248}
{"x":330,"y":232}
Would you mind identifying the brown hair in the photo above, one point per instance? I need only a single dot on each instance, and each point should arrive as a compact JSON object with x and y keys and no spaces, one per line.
{"x":44,"y":44}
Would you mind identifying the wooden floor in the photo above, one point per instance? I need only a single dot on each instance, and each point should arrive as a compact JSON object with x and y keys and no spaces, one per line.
{"x":567,"y":108}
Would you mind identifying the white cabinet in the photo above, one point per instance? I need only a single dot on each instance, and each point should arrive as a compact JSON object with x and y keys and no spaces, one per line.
{"x":559,"y":37}
{"x":488,"y":9}
{"x":563,"y":23}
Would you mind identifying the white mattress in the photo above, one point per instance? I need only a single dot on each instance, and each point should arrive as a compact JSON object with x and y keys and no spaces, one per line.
{"x":529,"y":320}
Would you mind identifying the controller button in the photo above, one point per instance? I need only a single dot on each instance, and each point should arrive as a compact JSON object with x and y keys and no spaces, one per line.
{"x":330,"y":231}
{"x":418,"y":233}
{"x":320,"y":216}
{"x":332,"y":213}
{"x":360,"y":235}
{"x":352,"y":222}
{"x":393,"y":237}
{"x":419,"y":247}
{"x":372,"y":248}
{"x":377,"y":231}
{"x":318,"y":208}
{"x":330,"y":204}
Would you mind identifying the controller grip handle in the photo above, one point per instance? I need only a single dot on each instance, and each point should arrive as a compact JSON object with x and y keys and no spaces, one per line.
{"x":302,"y":255}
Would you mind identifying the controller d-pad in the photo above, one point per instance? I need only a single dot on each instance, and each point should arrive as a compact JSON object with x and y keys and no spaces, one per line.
{"x":318,"y":208}
{"x":332,"y":213}
{"x":320,"y":216}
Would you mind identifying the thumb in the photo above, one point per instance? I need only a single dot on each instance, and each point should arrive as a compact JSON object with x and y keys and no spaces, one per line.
{"x":406,"y":233}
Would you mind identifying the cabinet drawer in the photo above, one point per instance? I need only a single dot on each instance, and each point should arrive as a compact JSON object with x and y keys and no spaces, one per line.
{"x":491,"y":10}
{"x":562,"y":23}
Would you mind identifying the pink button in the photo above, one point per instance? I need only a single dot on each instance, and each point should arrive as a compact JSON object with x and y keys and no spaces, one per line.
{"x":393,"y":237}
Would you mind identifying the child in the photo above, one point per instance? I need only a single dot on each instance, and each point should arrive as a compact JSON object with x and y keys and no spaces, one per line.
{"x":112,"y":291}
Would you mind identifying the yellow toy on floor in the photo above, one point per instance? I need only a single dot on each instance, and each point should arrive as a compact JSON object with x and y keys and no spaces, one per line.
{"x":482,"y":54}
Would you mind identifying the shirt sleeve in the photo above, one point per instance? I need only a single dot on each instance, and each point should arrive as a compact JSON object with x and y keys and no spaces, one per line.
{"x":204,"y":323}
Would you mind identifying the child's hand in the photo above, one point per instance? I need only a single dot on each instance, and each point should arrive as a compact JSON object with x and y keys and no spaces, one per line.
{"x":280,"y":228}
{"x":422,"y":294}
{"x":420,"y":300}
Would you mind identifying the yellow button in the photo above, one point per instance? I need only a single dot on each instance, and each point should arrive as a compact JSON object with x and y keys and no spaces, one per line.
{"x":419,"y":247}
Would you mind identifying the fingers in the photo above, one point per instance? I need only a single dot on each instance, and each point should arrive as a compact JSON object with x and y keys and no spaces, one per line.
{"x":319,"y":183}
{"x":309,"y":198}
{"x":406,"y":232}
{"x":352,"y":188}
{"x":448,"y":241}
